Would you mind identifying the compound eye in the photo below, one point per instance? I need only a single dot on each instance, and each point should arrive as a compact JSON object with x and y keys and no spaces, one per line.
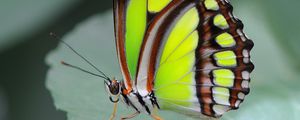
{"x":115,"y":89}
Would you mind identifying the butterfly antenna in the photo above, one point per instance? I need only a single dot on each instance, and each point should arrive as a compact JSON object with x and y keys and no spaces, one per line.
{"x":86,"y":60}
{"x":83,"y":70}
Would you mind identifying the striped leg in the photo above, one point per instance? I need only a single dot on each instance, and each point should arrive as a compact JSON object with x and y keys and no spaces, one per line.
{"x":130,"y":116}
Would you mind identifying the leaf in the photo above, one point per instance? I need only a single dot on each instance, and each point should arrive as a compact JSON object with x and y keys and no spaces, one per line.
{"x":78,"y":93}
{"x":83,"y":96}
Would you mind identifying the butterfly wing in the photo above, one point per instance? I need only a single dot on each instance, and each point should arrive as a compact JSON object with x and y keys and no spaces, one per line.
{"x":195,"y":57}
{"x":130,"y":25}
{"x":132,"y":18}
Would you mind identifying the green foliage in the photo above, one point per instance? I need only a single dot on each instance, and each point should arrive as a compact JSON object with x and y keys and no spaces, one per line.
{"x":273,"y":87}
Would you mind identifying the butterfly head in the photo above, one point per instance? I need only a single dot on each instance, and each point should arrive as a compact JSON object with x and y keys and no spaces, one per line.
{"x":113,"y":87}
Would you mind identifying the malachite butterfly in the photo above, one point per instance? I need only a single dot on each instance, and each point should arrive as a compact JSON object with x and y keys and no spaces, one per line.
{"x":187,"y":56}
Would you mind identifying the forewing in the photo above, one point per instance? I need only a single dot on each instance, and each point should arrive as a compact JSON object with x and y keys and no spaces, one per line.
{"x":130,"y":25}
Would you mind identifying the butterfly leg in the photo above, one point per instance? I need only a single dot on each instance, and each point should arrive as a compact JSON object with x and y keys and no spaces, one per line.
{"x":130,"y":116}
{"x":113,"y":114}
{"x":154,"y":115}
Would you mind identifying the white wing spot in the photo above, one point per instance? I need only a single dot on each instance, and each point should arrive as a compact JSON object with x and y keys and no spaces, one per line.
{"x":220,"y":109}
{"x":232,"y":17}
{"x":239,"y":31}
{"x":245,"y":84}
{"x":237,"y":103}
{"x":241,"y":95}
{"x":245,"y":53}
{"x":246,"y":75}
{"x":246,"y":60}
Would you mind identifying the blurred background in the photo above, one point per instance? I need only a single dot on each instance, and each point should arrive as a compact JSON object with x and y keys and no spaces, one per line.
{"x":24,"y":44}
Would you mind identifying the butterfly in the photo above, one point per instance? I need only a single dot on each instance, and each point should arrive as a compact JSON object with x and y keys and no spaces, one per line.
{"x":186,"y":56}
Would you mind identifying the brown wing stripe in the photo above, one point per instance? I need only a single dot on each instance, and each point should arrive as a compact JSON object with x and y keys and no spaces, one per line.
{"x":153,"y":19}
{"x":165,"y":25}
{"x":159,"y":40}
{"x":119,"y":20}
{"x":204,"y":99}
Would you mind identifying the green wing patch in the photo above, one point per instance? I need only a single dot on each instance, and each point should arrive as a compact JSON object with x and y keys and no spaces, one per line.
{"x":136,"y":20}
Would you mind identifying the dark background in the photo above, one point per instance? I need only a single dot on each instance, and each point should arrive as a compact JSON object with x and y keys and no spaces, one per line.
{"x":23,"y":69}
